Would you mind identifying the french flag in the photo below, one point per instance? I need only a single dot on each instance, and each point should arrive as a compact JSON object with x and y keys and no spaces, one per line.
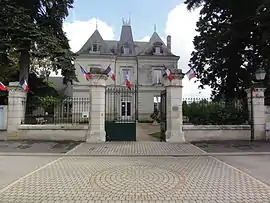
{"x":110,"y":73}
{"x":168,"y":73}
{"x":3,"y":87}
{"x":191,"y":74}
{"x":24,"y":85}
{"x":85,"y":74}
{"x":128,"y":82}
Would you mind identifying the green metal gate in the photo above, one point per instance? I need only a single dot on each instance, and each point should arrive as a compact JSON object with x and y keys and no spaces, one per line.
{"x":120,"y":113}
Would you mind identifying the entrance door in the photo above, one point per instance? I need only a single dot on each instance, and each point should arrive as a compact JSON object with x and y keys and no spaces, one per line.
{"x":126,"y":110}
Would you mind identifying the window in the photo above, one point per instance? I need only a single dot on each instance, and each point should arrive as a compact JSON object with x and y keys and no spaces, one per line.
{"x":125,"y":72}
{"x":157,"y":50}
{"x":157,"y":76}
{"x":126,"y":50}
{"x":125,"y":108}
{"x":95,"y":47}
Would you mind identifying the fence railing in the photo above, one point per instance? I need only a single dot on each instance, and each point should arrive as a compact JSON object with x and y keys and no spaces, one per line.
{"x":189,"y":100}
{"x":49,"y":110}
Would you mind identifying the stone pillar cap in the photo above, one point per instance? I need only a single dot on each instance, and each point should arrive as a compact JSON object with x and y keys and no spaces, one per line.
{"x":14,"y":84}
{"x":177,"y":74}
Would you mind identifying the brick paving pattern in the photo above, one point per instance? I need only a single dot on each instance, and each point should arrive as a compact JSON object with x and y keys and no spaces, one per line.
{"x":136,"y":148}
{"x":142,"y":179}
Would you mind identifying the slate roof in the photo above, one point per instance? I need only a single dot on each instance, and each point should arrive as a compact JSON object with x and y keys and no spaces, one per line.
{"x":113,"y":47}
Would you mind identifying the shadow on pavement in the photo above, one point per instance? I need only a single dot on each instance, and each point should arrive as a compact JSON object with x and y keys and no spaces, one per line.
{"x":37,"y":146}
{"x":233,"y":146}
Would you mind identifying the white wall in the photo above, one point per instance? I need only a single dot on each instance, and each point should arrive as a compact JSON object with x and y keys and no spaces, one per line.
{"x":217,"y":133}
{"x":3,"y":117}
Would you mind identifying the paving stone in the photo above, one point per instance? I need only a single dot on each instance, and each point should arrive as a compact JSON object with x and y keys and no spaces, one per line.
{"x":136,"y":148}
{"x":126,"y":179}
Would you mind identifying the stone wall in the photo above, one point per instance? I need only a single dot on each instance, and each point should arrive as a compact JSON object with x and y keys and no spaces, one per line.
{"x":216,"y":132}
{"x":48,"y":133}
{"x":78,"y":132}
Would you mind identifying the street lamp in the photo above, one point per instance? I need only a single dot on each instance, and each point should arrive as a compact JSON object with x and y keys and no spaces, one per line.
{"x":260,"y":76}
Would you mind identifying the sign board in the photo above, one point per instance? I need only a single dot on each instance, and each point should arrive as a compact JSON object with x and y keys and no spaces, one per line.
{"x":175,"y":108}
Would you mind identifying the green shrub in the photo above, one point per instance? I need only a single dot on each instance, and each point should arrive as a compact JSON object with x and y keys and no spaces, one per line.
{"x":215,"y":113}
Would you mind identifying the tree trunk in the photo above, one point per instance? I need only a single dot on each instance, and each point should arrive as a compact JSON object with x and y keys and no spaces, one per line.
{"x":24,"y":62}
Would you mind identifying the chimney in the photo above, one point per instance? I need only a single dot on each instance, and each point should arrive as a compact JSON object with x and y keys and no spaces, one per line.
{"x":169,"y":42}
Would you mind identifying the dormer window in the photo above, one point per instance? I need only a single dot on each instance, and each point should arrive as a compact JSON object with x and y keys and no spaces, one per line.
{"x":157,"y":48}
{"x":126,"y":50}
{"x":95,"y":47}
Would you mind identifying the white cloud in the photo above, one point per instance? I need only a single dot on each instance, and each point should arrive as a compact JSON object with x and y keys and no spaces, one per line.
{"x":181,"y":25}
{"x":144,"y":39}
{"x":78,"y":32}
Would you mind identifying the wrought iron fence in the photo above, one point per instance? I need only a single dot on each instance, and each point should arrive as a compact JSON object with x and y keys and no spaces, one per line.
{"x":49,"y":110}
{"x":121,"y":105}
{"x":205,"y":112}
{"x":190,"y":100}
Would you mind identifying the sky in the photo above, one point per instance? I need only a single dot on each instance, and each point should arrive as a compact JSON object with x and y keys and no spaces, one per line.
{"x":170,"y":17}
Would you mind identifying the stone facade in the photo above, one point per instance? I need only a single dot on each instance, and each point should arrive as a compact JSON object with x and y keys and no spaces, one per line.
{"x":142,"y":61}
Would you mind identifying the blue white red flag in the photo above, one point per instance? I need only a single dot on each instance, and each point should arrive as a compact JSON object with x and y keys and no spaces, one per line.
{"x":85,"y":74}
{"x":108,"y":71}
{"x":24,"y":85}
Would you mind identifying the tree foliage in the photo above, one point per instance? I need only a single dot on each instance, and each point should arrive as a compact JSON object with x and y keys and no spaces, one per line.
{"x":233,"y":41}
{"x":33,"y":30}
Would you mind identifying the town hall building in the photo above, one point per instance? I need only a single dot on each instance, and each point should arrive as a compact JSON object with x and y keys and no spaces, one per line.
{"x":143,"y":62}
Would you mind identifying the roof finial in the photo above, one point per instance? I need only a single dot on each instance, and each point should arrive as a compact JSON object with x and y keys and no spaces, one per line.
{"x":155,"y":28}
{"x":96,"y":24}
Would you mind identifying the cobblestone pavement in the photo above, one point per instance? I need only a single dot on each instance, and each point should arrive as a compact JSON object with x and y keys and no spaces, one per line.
{"x":12,"y":168}
{"x":137,"y":179}
{"x":137,"y":149}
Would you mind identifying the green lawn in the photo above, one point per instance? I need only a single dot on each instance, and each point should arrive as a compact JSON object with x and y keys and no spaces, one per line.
{"x":156,"y":135}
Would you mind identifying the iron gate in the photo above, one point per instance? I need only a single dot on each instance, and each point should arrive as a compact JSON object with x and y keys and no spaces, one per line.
{"x":120,"y":113}
{"x":163,"y":116}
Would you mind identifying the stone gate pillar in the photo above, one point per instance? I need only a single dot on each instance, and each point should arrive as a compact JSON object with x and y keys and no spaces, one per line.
{"x":96,"y":128}
{"x":258,"y":111}
{"x":174,"y":132}
{"x":16,"y":107}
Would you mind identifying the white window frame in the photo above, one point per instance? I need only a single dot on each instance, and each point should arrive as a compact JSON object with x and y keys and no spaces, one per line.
{"x":123,"y":78}
{"x":155,"y":80}
{"x":125,"y":50}
{"x":97,"y":47}
{"x":158,"y":50}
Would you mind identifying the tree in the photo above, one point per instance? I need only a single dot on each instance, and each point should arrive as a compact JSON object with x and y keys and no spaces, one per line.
{"x":229,"y":47}
{"x":33,"y":29}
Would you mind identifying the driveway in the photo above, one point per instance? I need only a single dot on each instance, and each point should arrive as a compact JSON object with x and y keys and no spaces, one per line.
{"x":14,"y":167}
{"x":131,"y":172}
